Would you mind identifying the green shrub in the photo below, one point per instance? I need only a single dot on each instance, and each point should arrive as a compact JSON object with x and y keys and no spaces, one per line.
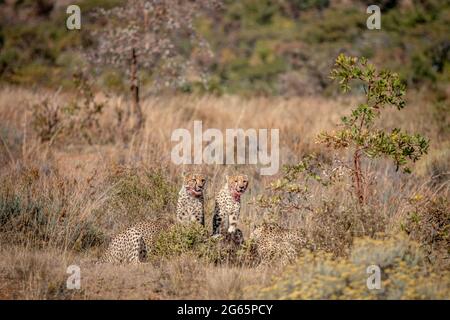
{"x":186,"y":238}
{"x":360,"y":131}
{"x":141,"y":192}
{"x":194,"y":239}
{"x":320,"y":276}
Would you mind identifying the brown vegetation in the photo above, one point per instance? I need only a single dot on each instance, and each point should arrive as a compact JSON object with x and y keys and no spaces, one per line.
{"x":62,"y":198}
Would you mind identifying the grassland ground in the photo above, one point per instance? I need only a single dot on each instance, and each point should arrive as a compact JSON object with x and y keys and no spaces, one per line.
{"x":62,"y":198}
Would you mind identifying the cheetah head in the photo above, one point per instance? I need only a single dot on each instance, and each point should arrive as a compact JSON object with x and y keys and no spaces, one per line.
{"x":194,"y":183}
{"x":237,"y":185}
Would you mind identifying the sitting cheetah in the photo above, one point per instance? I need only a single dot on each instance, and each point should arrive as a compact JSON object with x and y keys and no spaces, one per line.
{"x":228,"y":204}
{"x":190,"y":207}
{"x":133,"y":244}
{"x":273,"y":242}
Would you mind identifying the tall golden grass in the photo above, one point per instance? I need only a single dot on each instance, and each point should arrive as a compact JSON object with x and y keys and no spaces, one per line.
{"x":61,"y":200}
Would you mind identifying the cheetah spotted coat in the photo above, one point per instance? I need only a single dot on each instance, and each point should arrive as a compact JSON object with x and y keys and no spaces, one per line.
{"x":228,"y":204}
{"x":134,"y":244}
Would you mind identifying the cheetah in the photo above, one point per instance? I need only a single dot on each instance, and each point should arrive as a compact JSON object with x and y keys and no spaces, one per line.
{"x":133,"y":244}
{"x":228,"y":204}
{"x":272,"y":242}
{"x":190,"y":207}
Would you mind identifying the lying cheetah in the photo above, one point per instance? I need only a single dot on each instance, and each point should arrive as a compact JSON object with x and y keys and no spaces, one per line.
{"x":228,"y":204}
{"x":133,"y":244}
{"x":190,"y":207}
{"x":273,"y":242}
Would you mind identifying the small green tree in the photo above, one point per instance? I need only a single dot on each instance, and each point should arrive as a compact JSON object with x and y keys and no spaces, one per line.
{"x":359,"y":131}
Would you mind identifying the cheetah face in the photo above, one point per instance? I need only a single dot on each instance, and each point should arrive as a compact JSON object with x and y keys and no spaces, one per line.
{"x":237,"y":184}
{"x":194,"y":183}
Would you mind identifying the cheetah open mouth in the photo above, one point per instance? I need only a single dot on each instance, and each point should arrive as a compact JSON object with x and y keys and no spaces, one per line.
{"x":236,"y":194}
{"x":195,"y":192}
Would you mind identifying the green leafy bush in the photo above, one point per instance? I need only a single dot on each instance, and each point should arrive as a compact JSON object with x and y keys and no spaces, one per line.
{"x":187,"y":238}
{"x":141,"y":192}
{"x":359,"y":132}
{"x":194,"y":239}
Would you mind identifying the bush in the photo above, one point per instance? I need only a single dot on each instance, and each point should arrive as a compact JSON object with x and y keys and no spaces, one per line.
{"x":429,"y":224}
{"x":307,"y":192}
{"x":320,"y":276}
{"x":141,"y":192}
{"x":194,"y":239}
{"x":77,"y":120}
{"x":334,"y":226}
{"x":32,"y":215}
{"x":360,"y":132}
{"x":36,"y":224}
{"x":186,"y":238}
{"x":47,"y":119}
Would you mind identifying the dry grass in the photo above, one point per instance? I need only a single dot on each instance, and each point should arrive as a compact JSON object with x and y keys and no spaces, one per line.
{"x":61,"y":200}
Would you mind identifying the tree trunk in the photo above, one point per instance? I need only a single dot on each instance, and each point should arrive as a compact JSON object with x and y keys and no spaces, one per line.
{"x":137,"y":111}
{"x":357,"y":177}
